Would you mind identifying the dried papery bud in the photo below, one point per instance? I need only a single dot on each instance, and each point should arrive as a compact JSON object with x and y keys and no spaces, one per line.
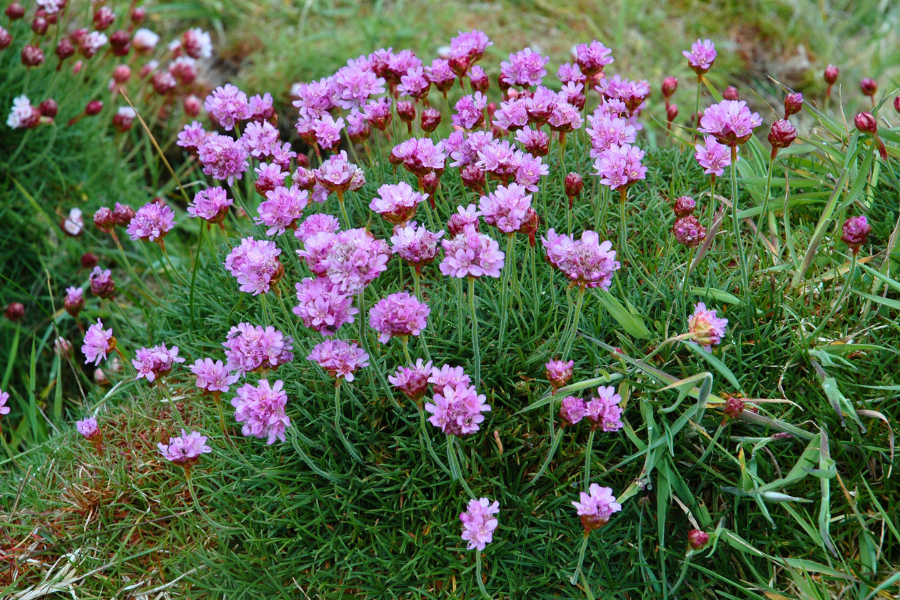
{"x":406,"y":110}
{"x":120,"y":42}
{"x":856,"y":232}
{"x":688,"y":231}
{"x":93,"y":108}
{"x":39,"y":25}
{"x":573,"y":184}
{"x":15,"y":311}
{"x":671,"y":112}
{"x":138,"y":15}
{"x":103,"y":18}
{"x":793,"y":103}
{"x":698,"y":539}
{"x":32,"y":56}
{"x":15,"y":11}
{"x":431,"y":118}
{"x":89,"y":260}
{"x":472,"y":178}
{"x":104,"y":219}
{"x":48,"y":108}
{"x":192,"y":105}
{"x":868,"y":86}
{"x":669,"y":85}
{"x":733,"y":407}
{"x":684,"y":206}
{"x":781,"y":135}
{"x":5,"y":39}
{"x":64,"y":49}
{"x":730,"y":93}
{"x":866,"y":123}
{"x":121,"y":74}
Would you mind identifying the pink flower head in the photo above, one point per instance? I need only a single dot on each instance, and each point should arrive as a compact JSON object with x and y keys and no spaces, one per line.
{"x":353,"y":86}
{"x":222,"y":157}
{"x":470,"y":45}
{"x":228,"y":105}
{"x":97,"y":343}
{"x":414,"y":83}
{"x":210,"y":205}
{"x":607,"y":131}
{"x":572,"y":410}
{"x":529,"y":171}
{"x":319,"y":223}
{"x":357,"y":127}
{"x":591,"y":58}
{"x":337,"y":173}
{"x":339,"y":358}
{"x":261,"y":410}
{"x":705,"y":328}
{"x":415,"y":245}
{"x":457,"y":409}
{"x":322,"y":307}
{"x":315,"y":98}
{"x":512,"y":115}
{"x":524,"y":68}
{"x":328,"y":131}
{"x":559,"y":372}
{"x":587,"y":262}
{"x":540,"y":105}
{"x":448,"y":376}
{"x":499,"y":158}
{"x":412,"y":381}
{"x":399,"y":63}
{"x":506,"y":208}
{"x":154,"y":362}
{"x":855,"y":232}
{"x":597,"y":507}
{"x":255,"y":265}
{"x":316,"y":248}
{"x":282,"y":155}
{"x":269,"y":177}
{"x":397,"y":202}
{"x":262,"y":107}
{"x":213,"y":377}
{"x":89,"y":429}
{"x":91,"y":43}
{"x":713,"y":156}
{"x":479,"y":523}
{"x":702,"y":56}
{"x":464,"y":217}
{"x":378,"y":113}
{"x":471,"y":254}
{"x":569,"y":73}
{"x":420,"y":156}
{"x":151,"y":222}
{"x":688,"y":231}
{"x":464,"y":148}
{"x":74,"y":301}
{"x":440,"y":74}
{"x":573,"y":93}
{"x":250,"y":348}
{"x":604,"y":410}
{"x":730,"y":122}
{"x":102,"y":284}
{"x":4,"y":409}
{"x":355,"y":259}
{"x":23,"y":114}
{"x":192,"y":136}
{"x":535,"y":141}
{"x":282,"y":208}
{"x":470,"y":111}
{"x":259,"y":139}
{"x":565,"y":118}
{"x":400,"y":315}
{"x":196,"y":43}
{"x":185,"y":451}
{"x":620,"y":166}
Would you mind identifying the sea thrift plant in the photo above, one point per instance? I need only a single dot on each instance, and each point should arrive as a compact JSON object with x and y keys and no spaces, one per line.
{"x":413,"y":380}
{"x":559,"y":372}
{"x":354,"y":259}
{"x":705,"y":328}
{"x":322,"y":307}
{"x":185,"y":451}
{"x":586,"y":262}
{"x":255,"y":265}
{"x":97,"y":343}
{"x":397,"y":202}
{"x":151,"y":363}
{"x":213,"y":377}
{"x":398,"y":315}
{"x":596,"y":507}
{"x":250,"y":348}
{"x":261,"y":410}
{"x":457,"y":409}
{"x":339,"y":358}
{"x":604,"y":411}
{"x":211,"y":205}
{"x":151,"y":223}
{"x":282,"y":209}
{"x":471,"y":254}
{"x":479,"y":523}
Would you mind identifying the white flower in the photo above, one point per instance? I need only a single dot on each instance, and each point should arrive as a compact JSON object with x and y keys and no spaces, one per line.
{"x":74,"y":223}
{"x":21,"y":111}
{"x":144,"y":40}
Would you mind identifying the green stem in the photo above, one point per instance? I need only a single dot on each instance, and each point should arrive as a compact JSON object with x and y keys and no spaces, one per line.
{"x":737,"y":222}
{"x":712,"y":202}
{"x":416,"y":290}
{"x":623,"y":225}
{"x":340,"y":196}
{"x":426,"y":441}
{"x":504,"y":292}
{"x":580,"y":558}
{"x":587,"y":460}
{"x":697,"y":107}
{"x":337,"y":423}
{"x":765,"y":210}
{"x":455,"y":469}
{"x":478,"y":574}
{"x":404,"y":340}
{"x":571,"y":336}
{"x":475,"y":347}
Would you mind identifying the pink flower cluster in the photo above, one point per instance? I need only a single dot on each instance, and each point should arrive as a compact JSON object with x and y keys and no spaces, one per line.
{"x":412,"y":381}
{"x":250,"y":348}
{"x":471,"y":254}
{"x":479,"y":523}
{"x":559,"y":372}
{"x":154,"y":362}
{"x":261,"y":410}
{"x":339,"y":358}
{"x":524,"y":68}
{"x":151,"y":222}
{"x":255,"y":265}
{"x":620,"y":166}
{"x":89,"y":429}
{"x":185,"y":451}
{"x":713,"y":156}
{"x":415,"y":244}
{"x":730,"y":122}
{"x":603,"y":411}
{"x":222,"y":158}
{"x":353,"y":258}
{"x":213,"y":377}
{"x":400,"y":315}
{"x":97,"y":343}
{"x":506,"y":208}
{"x":457,"y":407}
{"x":322,"y":306}
{"x":596,"y":507}
{"x":705,"y":328}
{"x":211,"y":205}
{"x":282,"y":208}
{"x":587,"y":262}
{"x":397,"y":202}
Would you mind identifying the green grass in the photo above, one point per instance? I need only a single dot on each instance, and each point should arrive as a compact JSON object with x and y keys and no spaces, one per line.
{"x":303,"y":519}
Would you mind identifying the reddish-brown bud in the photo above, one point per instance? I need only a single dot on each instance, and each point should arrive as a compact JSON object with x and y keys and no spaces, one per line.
{"x":123,"y":214}
{"x":472,"y":178}
{"x":103,"y":18}
{"x":897,"y":104}
{"x":15,"y":11}
{"x":866,"y":123}
{"x":121,"y":74}
{"x":64,"y":49}
{"x":15,"y":311}
{"x":406,"y":110}
{"x":431,"y":118}
{"x":39,"y":25}
{"x":669,"y":85}
{"x":32,"y":56}
{"x":89,"y":260}
{"x":868,"y":86}
{"x":104,"y":219}
{"x":698,"y":539}
{"x":138,"y":15}
{"x":793,"y":103}
{"x":460,"y":65}
{"x":430,"y":183}
{"x":856,"y":232}
{"x":782,"y":134}
{"x":192,"y":105}
{"x":684,"y":206}
{"x":731,"y":93}
{"x":573,"y":183}
{"x":671,"y":112}
{"x":530,"y":225}
{"x":120,"y":42}
{"x":831,"y":75}
{"x":48,"y":108}
{"x":77,"y":36}
{"x":480,"y":81}
{"x":93,"y":108}
{"x":5,"y":39}
{"x":163,"y":82}
{"x":733,"y":407}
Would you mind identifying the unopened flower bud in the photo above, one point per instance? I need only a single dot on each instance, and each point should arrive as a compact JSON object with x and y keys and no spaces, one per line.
{"x":530,"y":225}
{"x":51,"y":19}
{"x":64,"y":49}
{"x":698,"y":539}
{"x":430,"y":183}
{"x":77,"y":36}
{"x":15,"y":311}
{"x":730,"y":93}
{"x":32,"y":56}
{"x":733,"y":407}
{"x":671,"y":112}
{"x":897,"y":104}
{"x":688,"y":231}
{"x":93,"y":108}
{"x":460,"y":65}
{"x":123,"y":214}
{"x":100,"y":377}
{"x":831,"y":75}
{"x":15,"y":11}
{"x":120,"y":42}
{"x":63,"y":348}
{"x":479,"y":80}
{"x":856,"y":232}
{"x":866,"y":123}
{"x":89,"y":260}
{"x":502,"y":84}
{"x":472,"y":178}
{"x":781,"y":135}
{"x":431,"y":118}
{"x":48,"y":108}
{"x":104,"y":219}
{"x":559,"y":372}
{"x":573,"y":183}
{"x":684,"y":206}
{"x":868,"y":86}
{"x":102,"y":284}
{"x":121,"y":74}
{"x":192,"y":105}
{"x":103,"y":18}
{"x":5,"y":39}
{"x":163,"y":82}
{"x":669,"y":85}
{"x":406,"y":110}
{"x":138,"y":15}
{"x":792,"y":104}
{"x":39,"y":25}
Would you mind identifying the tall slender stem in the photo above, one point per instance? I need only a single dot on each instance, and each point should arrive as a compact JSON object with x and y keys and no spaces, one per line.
{"x":571,"y":336}
{"x":504,"y":291}
{"x":337,"y":423}
{"x":475,"y":347}
{"x":584,"y":542}
{"x":765,"y":208}
{"x":712,"y":202}
{"x":417,"y":274}
{"x":478,"y":575}
{"x":694,"y":118}
{"x":737,"y":222}
{"x":340,"y":196}
{"x":587,"y":460}
{"x":623,"y":225}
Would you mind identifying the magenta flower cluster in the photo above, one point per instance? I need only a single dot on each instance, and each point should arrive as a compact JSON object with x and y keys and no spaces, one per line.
{"x":154,"y":362}
{"x":398,"y":315}
{"x":587,"y":262}
{"x":479,"y":523}
{"x":261,"y":410}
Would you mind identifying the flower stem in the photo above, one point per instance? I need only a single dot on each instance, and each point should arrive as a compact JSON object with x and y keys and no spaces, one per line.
{"x":340,"y":196}
{"x":765,"y":210}
{"x":712,"y":202}
{"x":416,"y":289}
{"x":478,"y":574}
{"x":504,"y":291}
{"x":587,"y":460}
{"x":553,"y":447}
{"x":476,"y":349}
{"x":623,"y":231}
{"x":570,"y":338}
{"x":694,"y":118}
{"x":455,"y":469}
{"x":580,"y":558}
{"x":337,"y":423}
{"x":737,"y":222}
{"x":404,"y":340}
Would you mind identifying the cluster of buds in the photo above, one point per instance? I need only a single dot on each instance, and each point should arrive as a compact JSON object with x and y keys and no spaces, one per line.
{"x":687,"y":228}
{"x":669,"y":85}
{"x":783,"y":133}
